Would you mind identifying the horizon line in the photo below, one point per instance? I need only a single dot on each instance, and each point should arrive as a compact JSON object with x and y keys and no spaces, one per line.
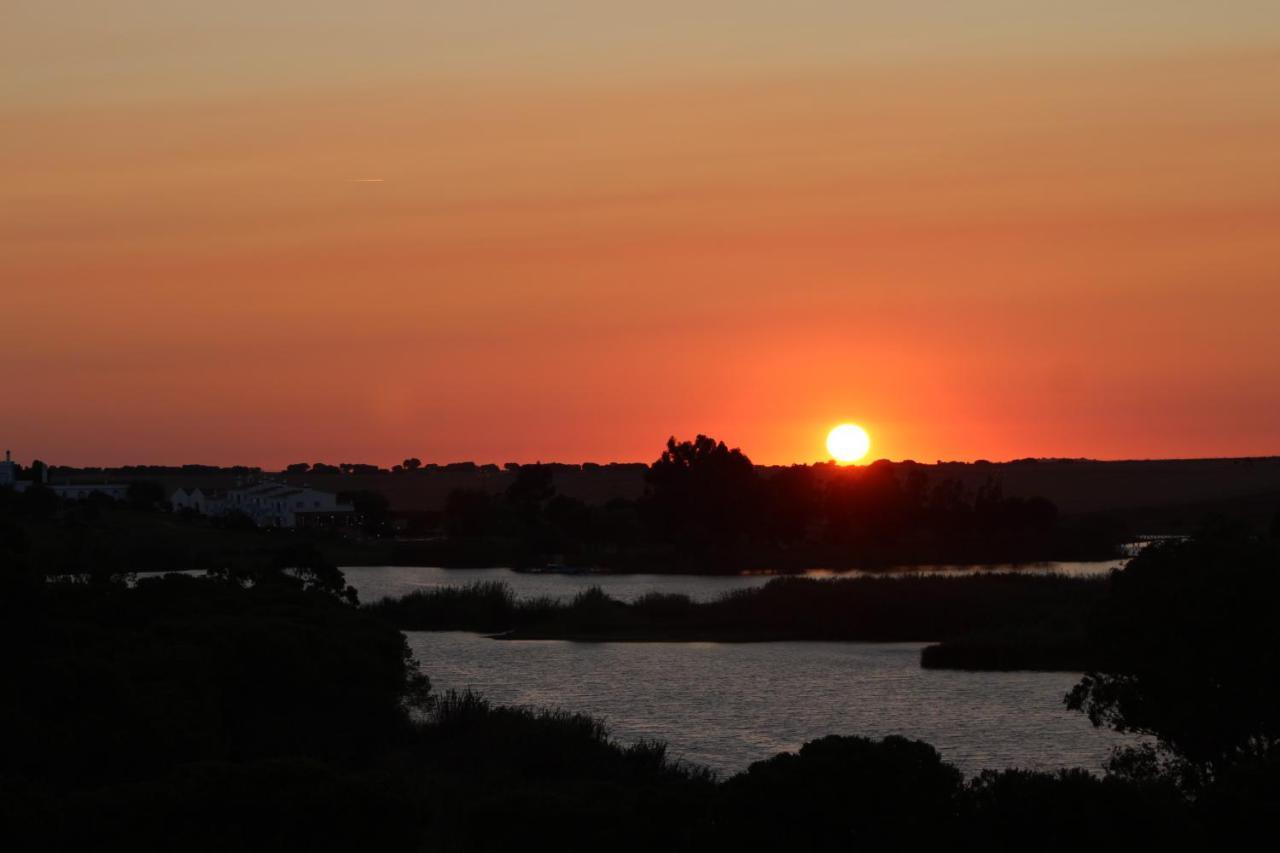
{"x":388,"y":468}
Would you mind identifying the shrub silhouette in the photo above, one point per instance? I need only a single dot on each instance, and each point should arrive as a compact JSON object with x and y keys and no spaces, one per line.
{"x":841,"y":793}
{"x":1074,"y":810}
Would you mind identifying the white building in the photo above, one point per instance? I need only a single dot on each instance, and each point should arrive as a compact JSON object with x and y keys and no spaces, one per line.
{"x":70,"y":491}
{"x":8,"y":470}
{"x":269,"y":504}
{"x":203,"y":501}
{"x":79,"y":491}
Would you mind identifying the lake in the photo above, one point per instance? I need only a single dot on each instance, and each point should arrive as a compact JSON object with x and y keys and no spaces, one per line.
{"x":726,"y":705}
{"x":375,"y":582}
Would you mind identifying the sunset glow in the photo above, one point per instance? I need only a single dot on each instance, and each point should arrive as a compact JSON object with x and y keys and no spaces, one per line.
{"x":394,"y":228}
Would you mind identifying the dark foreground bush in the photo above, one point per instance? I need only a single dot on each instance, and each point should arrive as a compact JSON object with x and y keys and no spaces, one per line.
{"x":112,"y":682}
{"x":506,"y":778}
{"x":1192,"y":644}
{"x":467,"y":733}
{"x":204,"y":714}
{"x":277,"y":804}
{"x":842,"y":793}
{"x":207,"y":714}
{"x":482,"y":606}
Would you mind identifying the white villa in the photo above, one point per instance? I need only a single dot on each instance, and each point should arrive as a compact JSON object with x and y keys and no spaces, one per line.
{"x":269,"y":504}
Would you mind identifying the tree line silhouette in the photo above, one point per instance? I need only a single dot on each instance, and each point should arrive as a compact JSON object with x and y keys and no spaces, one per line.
{"x":707,"y":508}
{"x":704,"y":508}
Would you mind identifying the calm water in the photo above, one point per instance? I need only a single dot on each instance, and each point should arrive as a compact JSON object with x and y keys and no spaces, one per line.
{"x":375,"y":582}
{"x":728,"y":704}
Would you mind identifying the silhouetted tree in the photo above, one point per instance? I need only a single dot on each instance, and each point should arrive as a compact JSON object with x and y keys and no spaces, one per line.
{"x":701,"y":494}
{"x":413,"y":463}
{"x":1191,"y":634}
{"x":792,"y":503}
{"x":300,"y":565}
{"x":844,"y":793}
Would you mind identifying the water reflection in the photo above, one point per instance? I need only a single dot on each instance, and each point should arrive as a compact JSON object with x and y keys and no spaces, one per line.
{"x":375,"y":582}
{"x":726,"y":705}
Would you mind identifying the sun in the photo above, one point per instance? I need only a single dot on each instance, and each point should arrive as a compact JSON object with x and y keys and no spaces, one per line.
{"x":848,"y":443}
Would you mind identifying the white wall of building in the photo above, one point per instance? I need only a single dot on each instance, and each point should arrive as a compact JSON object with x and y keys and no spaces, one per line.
{"x":269,"y":504}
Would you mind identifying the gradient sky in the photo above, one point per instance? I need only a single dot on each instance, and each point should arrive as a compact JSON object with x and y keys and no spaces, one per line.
{"x":265,"y":232}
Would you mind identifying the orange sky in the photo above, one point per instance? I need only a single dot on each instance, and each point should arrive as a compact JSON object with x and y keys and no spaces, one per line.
{"x":266,"y":233}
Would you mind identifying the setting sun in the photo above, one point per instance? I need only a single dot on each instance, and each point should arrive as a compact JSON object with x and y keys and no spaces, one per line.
{"x":848,"y":443}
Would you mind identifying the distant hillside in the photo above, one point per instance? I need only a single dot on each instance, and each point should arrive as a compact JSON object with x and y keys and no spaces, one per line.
{"x":1080,"y":486}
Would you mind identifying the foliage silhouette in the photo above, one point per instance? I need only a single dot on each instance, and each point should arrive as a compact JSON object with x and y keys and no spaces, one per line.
{"x":915,"y":607}
{"x":841,"y":793}
{"x":263,"y":711}
{"x":1193,"y":652}
{"x":707,"y":508}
